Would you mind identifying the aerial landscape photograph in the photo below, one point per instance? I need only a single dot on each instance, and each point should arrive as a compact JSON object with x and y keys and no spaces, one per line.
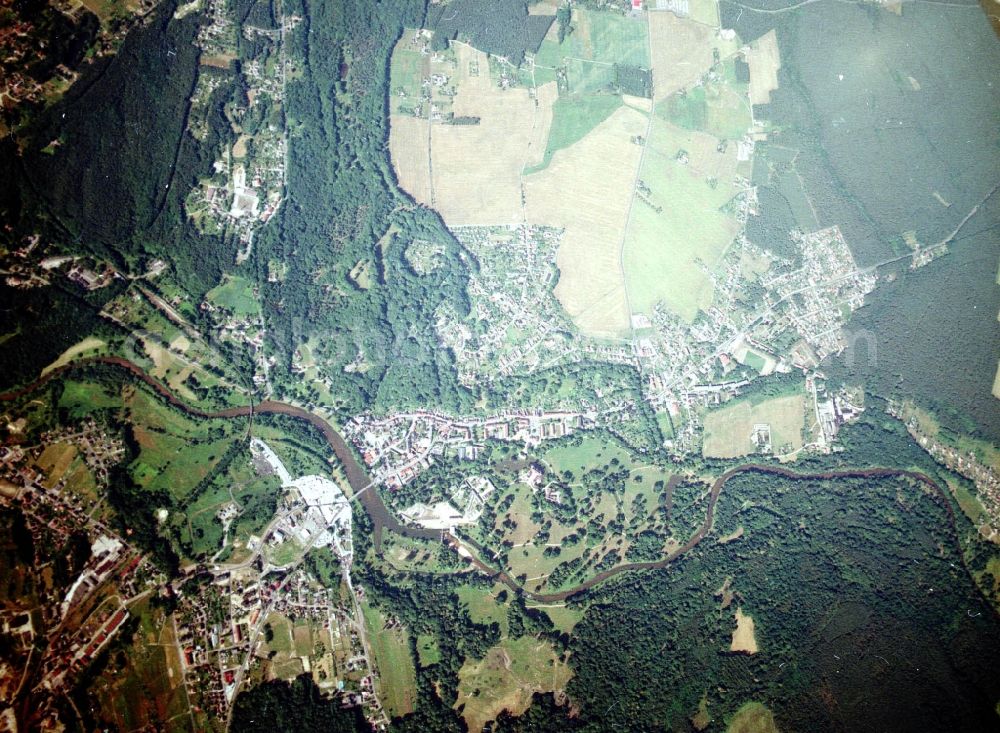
{"x":499,"y":366}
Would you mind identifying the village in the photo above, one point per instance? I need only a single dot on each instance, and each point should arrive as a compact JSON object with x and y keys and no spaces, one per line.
{"x":248,"y":183}
{"x":79,"y":623}
{"x":227,"y":614}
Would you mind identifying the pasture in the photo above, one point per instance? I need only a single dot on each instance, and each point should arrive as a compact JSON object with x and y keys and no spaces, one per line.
{"x":506,"y":678}
{"x":728,"y":429}
{"x":397,"y":673}
{"x":677,"y":227}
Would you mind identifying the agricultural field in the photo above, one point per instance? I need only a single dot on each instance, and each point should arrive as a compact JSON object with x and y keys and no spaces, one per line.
{"x":591,"y":287}
{"x":718,"y":106}
{"x":506,"y":678}
{"x":728,"y":430}
{"x":764,"y":62}
{"x":678,"y":227}
{"x":236,"y":295}
{"x":391,"y":647}
{"x":683,"y":50}
{"x":573,"y":117}
{"x":585,"y":61}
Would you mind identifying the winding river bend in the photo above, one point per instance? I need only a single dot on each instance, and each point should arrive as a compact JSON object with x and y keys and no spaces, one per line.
{"x":382,"y":518}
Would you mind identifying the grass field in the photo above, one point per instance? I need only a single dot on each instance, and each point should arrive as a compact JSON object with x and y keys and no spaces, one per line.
{"x":718,"y":108}
{"x":598,"y":36}
{"x":235,"y":294}
{"x":728,"y":429}
{"x":581,"y":193}
{"x":428,"y":652}
{"x":744,"y":638}
{"x":506,"y":678}
{"x":678,"y":225}
{"x":397,"y":673}
{"x":176,"y":451}
{"x":572,"y":118}
{"x":752,"y":717}
{"x":483,"y":607}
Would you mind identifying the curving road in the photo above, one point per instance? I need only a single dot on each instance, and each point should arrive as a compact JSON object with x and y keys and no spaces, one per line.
{"x":382,"y":518}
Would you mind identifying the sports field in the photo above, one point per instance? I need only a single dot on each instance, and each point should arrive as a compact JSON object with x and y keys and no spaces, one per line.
{"x":728,"y":429}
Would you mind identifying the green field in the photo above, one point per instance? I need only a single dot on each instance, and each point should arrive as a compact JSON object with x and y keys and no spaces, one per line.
{"x":235,"y":294}
{"x":728,"y":429}
{"x":397,"y":673}
{"x":81,"y":398}
{"x":506,"y":679}
{"x":572,"y":118}
{"x":718,"y":108}
{"x":482,"y":606}
{"x":428,"y":651}
{"x":753,"y":717}
{"x":664,"y":245}
{"x":176,"y":451}
{"x":406,"y":71}
{"x":603,"y":37}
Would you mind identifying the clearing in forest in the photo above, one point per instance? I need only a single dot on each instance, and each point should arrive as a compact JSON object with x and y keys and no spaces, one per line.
{"x":506,"y":678}
{"x":744,"y":639}
{"x":753,"y":717}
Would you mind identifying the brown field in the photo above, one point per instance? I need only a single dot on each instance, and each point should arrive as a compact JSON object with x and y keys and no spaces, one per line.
{"x":580,"y":192}
{"x":55,"y":461}
{"x":743,"y":636}
{"x":476,"y":169}
{"x":681,"y":51}
{"x":408,"y":145}
{"x":764,"y":62}
{"x":221,"y":61}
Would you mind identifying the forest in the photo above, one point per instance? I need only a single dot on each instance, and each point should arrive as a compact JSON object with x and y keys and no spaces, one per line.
{"x":882,"y":159}
{"x":502,"y":28}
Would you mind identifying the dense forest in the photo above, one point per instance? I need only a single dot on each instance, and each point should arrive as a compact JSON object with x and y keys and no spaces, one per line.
{"x":499,"y":27}
{"x":878,"y":158}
